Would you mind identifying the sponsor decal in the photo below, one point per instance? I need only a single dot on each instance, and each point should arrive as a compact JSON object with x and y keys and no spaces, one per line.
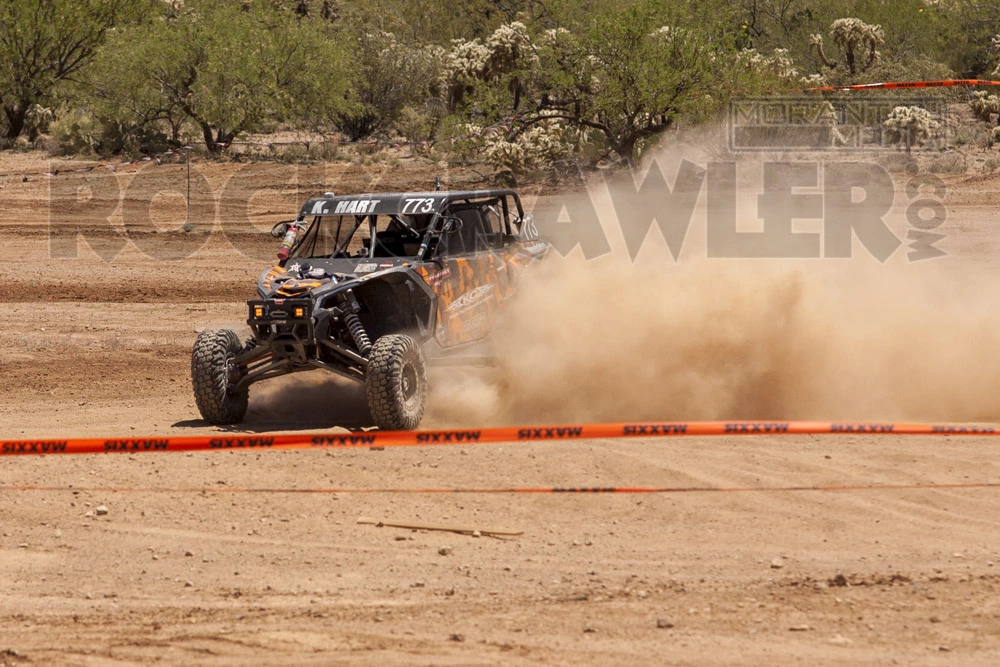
{"x":140,"y":445}
{"x":32,"y":447}
{"x":367,"y":267}
{"x":757,"y":427}
{"x":963,"y":429}
{"x":449,"y":436}
{"x":654,"y":429}
{"x":342,"y":440}
{"x":436,"y":279}
{"x":386,"y":265}
{"x":474,"y":322}
{"x":550,"y":433}
{"x":862,"y":428}
{"x":239,"y":443}
{"x":471,"y":298}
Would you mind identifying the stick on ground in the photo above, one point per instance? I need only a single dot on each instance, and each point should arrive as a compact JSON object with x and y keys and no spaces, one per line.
{"x":427,"y":526}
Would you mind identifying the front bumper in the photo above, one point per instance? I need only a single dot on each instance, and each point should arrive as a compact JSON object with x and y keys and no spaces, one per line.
{"x":282,"y":321}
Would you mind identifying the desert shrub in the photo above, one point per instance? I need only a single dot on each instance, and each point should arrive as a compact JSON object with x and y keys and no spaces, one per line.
{"x":418,"y":124}
{"x":954,"y":163}
{"x":77,"y":131}
{"x":389,"y":74}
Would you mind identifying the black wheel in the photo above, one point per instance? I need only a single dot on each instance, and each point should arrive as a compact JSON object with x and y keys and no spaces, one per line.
{"x":396,"y":383}
{"x":213,"y":375}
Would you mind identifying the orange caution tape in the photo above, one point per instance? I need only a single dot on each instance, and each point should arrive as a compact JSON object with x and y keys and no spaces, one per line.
{"x":378,"y":439}
{"x":891,"y":85}
{"x":509,"y":490}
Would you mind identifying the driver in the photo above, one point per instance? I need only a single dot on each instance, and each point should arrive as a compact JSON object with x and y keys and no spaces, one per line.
{"x":413,"y":225}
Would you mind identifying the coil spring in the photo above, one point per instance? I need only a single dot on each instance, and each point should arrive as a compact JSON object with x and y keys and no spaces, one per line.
{"x":358,"y":333}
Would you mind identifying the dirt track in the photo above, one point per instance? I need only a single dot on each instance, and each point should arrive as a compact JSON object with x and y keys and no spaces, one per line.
{"x":188,"y":567}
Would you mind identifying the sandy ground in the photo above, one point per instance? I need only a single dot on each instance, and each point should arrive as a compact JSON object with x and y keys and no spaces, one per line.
{"x":252,"y":558}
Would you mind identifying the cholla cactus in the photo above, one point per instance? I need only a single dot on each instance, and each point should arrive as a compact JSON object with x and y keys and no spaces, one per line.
{"x":779,"y":62}
{"x":852,"y":36}
{"x":37,"y":120}
{"x":994,"y":137}
{"x":984,"y":105}
{"x":39,"y":116}
{"x":813,"y":80}
{"x":995,"y":48}
{"x":471,"y":60}
{"x":466,"y":61}
{"x":553,"y":36}
{"x":174,"y":8}
{"x":909,"y":126}
{"x":538,"y":146}
{"x":669,"y":33}
{"x":507,"y":46}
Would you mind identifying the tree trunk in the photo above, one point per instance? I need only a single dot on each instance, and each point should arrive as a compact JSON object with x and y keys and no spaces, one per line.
{"x":625,"y":147}
{"x":206,"y":132}
{"x":15,"y":113}
{"x":216,"y":140}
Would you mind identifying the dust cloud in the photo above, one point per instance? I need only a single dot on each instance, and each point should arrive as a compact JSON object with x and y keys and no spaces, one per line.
{"x":611,"y":339}
{"x":607,"y":341}
{"x":315,"y":399}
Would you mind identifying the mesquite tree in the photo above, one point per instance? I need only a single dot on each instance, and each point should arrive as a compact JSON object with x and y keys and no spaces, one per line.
{"x":45,"y":42}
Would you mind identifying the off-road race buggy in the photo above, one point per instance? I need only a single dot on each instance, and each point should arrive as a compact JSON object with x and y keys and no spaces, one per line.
{"x":373,"y":287}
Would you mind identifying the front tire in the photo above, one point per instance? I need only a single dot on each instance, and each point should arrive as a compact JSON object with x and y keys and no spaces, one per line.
{"x":396,"y":383}
{"x":213,"y":375}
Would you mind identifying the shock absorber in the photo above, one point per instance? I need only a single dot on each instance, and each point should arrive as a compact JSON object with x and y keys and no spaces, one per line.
{"x":353,"y":322}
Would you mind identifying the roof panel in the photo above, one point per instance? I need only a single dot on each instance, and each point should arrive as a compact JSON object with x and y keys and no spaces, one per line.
{"x":391,"y":202}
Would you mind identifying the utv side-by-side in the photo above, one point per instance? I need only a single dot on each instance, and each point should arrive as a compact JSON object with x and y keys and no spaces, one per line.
{"x":372,"y":287}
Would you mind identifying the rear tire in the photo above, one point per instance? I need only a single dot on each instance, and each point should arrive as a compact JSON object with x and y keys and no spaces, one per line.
{"x":396,"y":383}
{"x":213,"y":376}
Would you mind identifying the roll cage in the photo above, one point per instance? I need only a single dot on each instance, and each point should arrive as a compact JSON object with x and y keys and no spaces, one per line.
{"x":422,"y":226}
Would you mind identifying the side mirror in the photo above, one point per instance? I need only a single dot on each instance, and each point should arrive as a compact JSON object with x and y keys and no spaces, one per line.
{"x":279,"y":230}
